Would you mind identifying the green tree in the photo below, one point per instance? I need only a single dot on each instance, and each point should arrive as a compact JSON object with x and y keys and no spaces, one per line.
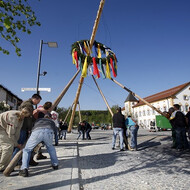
{"x":15,"y":15}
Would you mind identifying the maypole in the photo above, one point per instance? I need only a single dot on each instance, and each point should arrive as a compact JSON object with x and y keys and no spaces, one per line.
{"x":82,"y":78}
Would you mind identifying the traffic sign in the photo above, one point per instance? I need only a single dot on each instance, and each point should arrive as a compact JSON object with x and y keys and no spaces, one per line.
{"x":34,"y":89}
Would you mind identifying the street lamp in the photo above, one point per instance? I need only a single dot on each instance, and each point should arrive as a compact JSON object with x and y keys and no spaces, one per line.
{"x":50,"y":44}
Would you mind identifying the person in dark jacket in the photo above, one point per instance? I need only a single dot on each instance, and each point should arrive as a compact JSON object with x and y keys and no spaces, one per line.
{"x":81,"y":130}
{"x":63,"y":129}
{"x":118,"y":127}
{"x":179,"y":123}
{"x":88,"y":128}
{"x":171,"y":111}
{"x":43,"y":130}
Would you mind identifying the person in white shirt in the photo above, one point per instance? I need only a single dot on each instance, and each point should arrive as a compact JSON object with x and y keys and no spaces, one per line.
{"x":55,"y":118}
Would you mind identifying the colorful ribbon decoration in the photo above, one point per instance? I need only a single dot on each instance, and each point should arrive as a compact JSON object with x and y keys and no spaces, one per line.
{"x":108,"y":75}
{"x":88,"y":63}
{"x":80,"y":64}
{"x":76,"y":59}
{"x":102,"y":69}
{"x":112,"y":67}
{"x":84,"y":70}
{"x":99,"y":51}
{"x":95,"y":68}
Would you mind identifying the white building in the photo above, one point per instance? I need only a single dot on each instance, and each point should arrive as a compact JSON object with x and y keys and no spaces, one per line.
{"x":9,"y":98}
{"x":162,"y":101}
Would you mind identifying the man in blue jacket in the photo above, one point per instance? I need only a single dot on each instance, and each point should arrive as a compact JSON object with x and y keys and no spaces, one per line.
{"x":133,"y":127}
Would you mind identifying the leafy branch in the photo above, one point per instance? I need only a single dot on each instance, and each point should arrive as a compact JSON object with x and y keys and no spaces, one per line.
{"x":15,"y":15}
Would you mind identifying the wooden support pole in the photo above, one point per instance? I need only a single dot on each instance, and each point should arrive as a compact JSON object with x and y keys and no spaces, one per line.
{"x":56,"y":102}
{"x":103,"y":96}
{"x":143,"y":100}
{"x":80,"y":118}
{"x":75,"y":104}
{"x":91,"y":44}
{"x":68,"y":113}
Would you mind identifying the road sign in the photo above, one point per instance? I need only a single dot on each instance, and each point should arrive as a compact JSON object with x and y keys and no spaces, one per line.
{"x":34,"y":89}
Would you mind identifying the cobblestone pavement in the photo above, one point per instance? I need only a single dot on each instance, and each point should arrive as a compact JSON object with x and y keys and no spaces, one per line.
{"x":93,"y":165}
{"x":154,"y":166}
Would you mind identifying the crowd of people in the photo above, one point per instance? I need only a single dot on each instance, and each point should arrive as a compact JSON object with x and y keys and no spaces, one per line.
{"x":180,"y":129}
{"x":25,"y":129}
{"x":121,"y":126}
{"x":28,"y":128}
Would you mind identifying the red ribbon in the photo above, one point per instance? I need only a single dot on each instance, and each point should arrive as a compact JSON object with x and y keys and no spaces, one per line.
{"x":76,"y":58}
{"x":95,"y":68}
{"x":112,"y":67}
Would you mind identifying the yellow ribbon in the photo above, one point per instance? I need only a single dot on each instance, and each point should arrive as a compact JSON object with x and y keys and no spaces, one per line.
{"x":84,"y":70}
{"x":73,"y":56}
{"x":99,"y":51}
{"x":108,"y":75}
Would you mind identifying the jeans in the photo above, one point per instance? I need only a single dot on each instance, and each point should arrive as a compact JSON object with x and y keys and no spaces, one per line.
{"x":181,"y":138}
{"x":134,"y":130}
{"x":56,"y":136}
{"x":115,"y":132}
{"x":37,"y":136}
{"x":88,"y":134}
{"x":63,"y":134}
{"x":81,"y":133}
{"x":21,"y":140}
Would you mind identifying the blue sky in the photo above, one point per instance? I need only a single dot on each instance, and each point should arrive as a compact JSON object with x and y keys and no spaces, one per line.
{"x":151,"y":39}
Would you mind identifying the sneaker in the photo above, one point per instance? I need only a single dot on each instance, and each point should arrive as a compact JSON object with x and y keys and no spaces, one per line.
{"x":113,"y":148}
{"x":122,"y":149}
{"x":55,"y":167}
{"x":40,"y":157}
{"x":33,"y":163}
{"x":23,"y":173}
{"x":56,"y":144}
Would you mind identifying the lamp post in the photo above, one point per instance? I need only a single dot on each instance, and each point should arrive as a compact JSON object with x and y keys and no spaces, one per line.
{"x":50,"y":44}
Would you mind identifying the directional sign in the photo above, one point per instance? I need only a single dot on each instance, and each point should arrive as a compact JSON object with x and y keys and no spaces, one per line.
{"x":34,"y":89}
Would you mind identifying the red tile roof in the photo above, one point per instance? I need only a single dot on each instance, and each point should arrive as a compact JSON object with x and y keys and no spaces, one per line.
{"x":163,"y":95}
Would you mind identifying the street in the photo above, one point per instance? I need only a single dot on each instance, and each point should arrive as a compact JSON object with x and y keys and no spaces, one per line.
{"x":93,"y":165}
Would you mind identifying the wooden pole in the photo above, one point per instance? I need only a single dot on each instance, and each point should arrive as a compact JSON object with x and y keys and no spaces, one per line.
{"x":75,"y":103}
{"x":56,"y":102}
{"x":91,"y":44}
{"x":12,"y":163}
{"x":103,"y":96}
{"x":96,"y":23}
{"x":80,"y":118}
{"x":143,"y":100}
{"x":68,"y":113}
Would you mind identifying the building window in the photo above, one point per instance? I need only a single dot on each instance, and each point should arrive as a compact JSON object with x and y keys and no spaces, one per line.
{"x":148,"y":112}
{"x":164,"y":108}
{"x":139,"y":113}
{"x":136,"y":115}
{"x":185,"y":97}
{"x":153,"y":112}
{"x":144,"y":113}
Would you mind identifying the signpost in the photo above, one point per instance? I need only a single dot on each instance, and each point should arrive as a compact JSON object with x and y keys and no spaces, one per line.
{"x":34,"y":89}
